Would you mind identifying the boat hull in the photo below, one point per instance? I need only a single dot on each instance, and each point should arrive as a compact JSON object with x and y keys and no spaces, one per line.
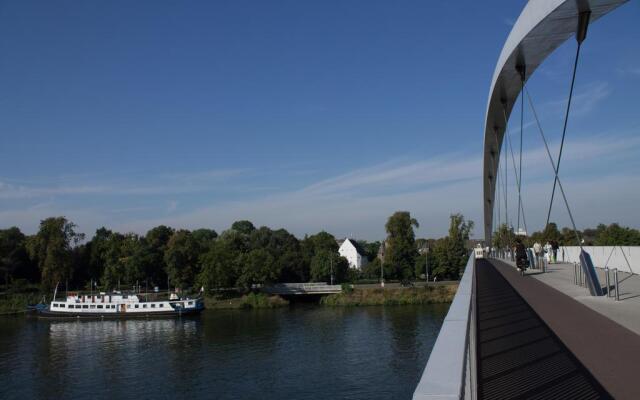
{"x":119,"y":315}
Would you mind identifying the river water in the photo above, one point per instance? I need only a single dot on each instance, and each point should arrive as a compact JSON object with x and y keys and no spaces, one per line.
{"x":300,"y":352}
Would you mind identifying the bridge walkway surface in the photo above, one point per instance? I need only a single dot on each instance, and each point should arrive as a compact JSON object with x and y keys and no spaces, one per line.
{"x":535,"y":342}
{"x":626,"y":312}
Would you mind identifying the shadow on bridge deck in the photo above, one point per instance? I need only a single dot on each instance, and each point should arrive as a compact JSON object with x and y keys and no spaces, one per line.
{"x":518,"y":355}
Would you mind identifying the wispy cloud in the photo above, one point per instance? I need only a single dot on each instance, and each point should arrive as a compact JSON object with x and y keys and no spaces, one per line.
{"x":359,"y":201}
{"x":155,"y":185}
{"x":585,"y":99}
{"x":172,"y":206}
{"x":13,"y":191}
{"x":629,"y":71}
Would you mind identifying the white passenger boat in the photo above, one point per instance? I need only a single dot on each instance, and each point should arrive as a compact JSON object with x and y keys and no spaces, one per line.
{"x":119,"y":305}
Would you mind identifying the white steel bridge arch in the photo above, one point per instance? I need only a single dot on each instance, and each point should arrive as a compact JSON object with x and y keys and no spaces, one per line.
{"x":541,"y":28}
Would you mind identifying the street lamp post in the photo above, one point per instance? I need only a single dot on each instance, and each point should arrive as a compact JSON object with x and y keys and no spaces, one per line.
{"x":426,"y":262}
{"x":331,"y":266}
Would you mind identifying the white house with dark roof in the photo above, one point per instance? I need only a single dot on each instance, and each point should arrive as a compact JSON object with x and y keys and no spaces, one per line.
{"x":354,"y":253}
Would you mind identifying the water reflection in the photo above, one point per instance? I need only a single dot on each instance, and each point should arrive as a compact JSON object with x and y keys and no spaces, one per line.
{"x":297,"y":352}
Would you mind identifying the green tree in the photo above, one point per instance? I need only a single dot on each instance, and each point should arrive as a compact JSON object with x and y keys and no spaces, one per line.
{"x":243,"y":226}
{"x":326,"y":261}
{"x":504,"y":237}
{"x":97,"y":248}
{"x":372,"y":269}
{"x":616,"y":235}
{"x":450,"y":253}
{"x":181,"y":259}
{"x":551,"y":233}
{"x":127,"y":260}
{"x":14,"y":260}
{"x":401,"y":253}
{"x":156,"y":241}
{"x":205,"y":237}
{"x":292,"y":267}
{"x":51,"y":247}
{"x":219,"y":269}
{"x":257,"y":267}
{"x":312,"y":245}
{"x":371,"y":248}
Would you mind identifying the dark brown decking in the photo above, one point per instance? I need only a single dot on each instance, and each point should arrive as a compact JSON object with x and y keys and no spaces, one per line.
{"x":519,"y":357}
{"x":536,"y":342}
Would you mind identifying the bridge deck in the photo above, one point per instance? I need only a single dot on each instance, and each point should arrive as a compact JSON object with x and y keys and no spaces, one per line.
{"x":535,"y":342}
{"x":518,"y":355}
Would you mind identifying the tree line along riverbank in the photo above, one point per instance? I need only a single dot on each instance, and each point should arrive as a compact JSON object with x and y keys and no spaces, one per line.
{"x":16,"y":303}
{"x":243,"y":257}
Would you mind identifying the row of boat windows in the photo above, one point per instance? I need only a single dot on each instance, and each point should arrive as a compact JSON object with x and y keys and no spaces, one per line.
{"x":63,"y":305}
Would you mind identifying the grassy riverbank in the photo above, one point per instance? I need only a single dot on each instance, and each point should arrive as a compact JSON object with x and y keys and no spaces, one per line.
{"x":247,"y":301}
{"x":400,"y":296}
{"x":16,"y":303}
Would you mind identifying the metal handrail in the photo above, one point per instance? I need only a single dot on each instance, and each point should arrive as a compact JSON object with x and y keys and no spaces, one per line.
{"x":450,"y":371}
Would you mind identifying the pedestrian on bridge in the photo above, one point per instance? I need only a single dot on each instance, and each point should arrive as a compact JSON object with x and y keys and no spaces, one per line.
{"x":554,"y":248}
{"x":547,"y":251}
{"x":521,"y":255}
{"x":537,"y":250}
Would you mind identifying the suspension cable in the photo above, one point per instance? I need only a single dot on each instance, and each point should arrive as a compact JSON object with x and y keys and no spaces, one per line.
{"x":555,"y":171}
{"x":521,"y":68}
{"x":505,"y":185}
{"x":513,"y":160}
{"x":520,"y":202}
{"x":581,"y":34}
{"x":498,"y":196}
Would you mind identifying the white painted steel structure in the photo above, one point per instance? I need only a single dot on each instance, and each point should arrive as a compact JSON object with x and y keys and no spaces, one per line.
{"x":450,"y":371}
{"x":541,"y":28}
{"x":624,"y":258}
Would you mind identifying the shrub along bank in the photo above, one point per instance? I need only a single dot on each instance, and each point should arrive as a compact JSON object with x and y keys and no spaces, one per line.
{"x":247,"y":301}
{"x":400,"y":296}
{"x":15,"y":303}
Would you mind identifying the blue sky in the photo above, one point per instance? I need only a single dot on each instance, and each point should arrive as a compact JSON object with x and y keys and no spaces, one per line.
{"x":303,"y":115}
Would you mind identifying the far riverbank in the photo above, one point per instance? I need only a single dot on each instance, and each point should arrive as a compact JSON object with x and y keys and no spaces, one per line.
{"x":361,"y":295}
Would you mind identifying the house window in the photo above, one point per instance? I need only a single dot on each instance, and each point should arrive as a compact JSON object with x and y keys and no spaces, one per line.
{"x":99,"y":305}
{"x":61,"y":305}
{"x":153,"y":306}
{"x":144,"y":306}
{"x":92,"y":306}
{"x":128,"y":305}
{"x":137,"y":306}
{"x":160,"y":305}
{"x":191,"y":303}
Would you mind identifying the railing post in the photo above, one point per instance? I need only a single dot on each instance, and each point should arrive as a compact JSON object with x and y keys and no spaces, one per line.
{"x":607,"y":281}
{"x":615,"y":279}
{"x":575,"y":274}
{"x":579,"y":274}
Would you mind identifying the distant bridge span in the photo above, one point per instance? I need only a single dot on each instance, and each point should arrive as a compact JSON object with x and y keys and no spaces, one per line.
{"x":541,"y":28}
